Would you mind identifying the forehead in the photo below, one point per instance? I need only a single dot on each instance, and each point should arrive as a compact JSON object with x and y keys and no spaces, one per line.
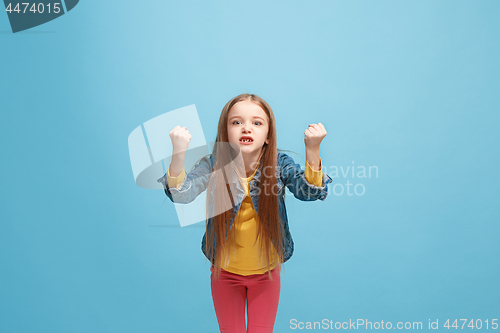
{"x":247,"y":109}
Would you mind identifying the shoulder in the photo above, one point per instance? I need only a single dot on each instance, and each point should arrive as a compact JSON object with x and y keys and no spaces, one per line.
{"x":206,"y":162}
{"x":207,"y":159}
{"x":284,"y":159}
{"x":282,"y":155}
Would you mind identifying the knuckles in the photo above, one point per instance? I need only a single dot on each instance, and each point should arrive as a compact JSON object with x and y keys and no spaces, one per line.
{"x":179,"y":133}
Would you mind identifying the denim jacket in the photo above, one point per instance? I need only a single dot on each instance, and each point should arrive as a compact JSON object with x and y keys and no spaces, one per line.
{"x":289,"y":174}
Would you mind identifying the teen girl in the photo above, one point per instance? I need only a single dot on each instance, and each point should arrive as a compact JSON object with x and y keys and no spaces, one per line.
{"x":246,"y":262}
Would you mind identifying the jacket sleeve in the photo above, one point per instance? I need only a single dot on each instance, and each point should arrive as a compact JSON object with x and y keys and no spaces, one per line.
{"x":312,"y":176}
{"x":294,"y":179}
{"x":194,"y":183}
{"x":175,"y":181}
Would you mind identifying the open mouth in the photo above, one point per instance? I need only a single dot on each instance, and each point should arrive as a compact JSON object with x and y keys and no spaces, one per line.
{"x":246,"y":139}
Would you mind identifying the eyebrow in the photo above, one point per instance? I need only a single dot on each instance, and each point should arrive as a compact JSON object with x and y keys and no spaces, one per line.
{"x":253,"y":117}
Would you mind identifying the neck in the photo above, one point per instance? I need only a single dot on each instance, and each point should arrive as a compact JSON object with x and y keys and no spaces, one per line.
{"x":250,"y":161}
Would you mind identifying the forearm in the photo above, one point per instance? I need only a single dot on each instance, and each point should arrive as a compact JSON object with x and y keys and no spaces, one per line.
{"x":177,"y":164}
{"x":313,"y":158}
{"x":186,"y":187}
{"x":304,"y":185}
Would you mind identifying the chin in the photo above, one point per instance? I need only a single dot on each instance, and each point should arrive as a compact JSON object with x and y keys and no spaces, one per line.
{"x":249,"y":150}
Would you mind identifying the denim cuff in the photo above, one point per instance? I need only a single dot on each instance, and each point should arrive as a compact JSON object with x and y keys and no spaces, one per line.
{"x":321,"y":190}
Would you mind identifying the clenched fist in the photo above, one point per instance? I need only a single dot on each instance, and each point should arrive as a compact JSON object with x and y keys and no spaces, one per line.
{"x":180,"y":139}
{"x":314,"y":135}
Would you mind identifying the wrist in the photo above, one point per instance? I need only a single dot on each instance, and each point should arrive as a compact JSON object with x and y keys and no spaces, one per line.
{"x":177,"y":150}
{"x":177,"y":164}
{"x":313,"y":158}
{"x":312,"y":150}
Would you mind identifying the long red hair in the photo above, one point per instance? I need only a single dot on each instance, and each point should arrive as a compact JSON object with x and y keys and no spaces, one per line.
{"x":269,"y":226}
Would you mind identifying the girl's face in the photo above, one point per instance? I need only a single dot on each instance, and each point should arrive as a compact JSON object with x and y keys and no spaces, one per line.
{"x":247,"y":127}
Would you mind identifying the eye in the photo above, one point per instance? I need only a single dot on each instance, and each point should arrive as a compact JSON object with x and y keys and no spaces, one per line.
{"x":236,"y":121}
{"x":258,"y":123}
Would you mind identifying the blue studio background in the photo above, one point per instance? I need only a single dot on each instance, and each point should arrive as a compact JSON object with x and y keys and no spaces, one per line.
{"x":410,"y":87}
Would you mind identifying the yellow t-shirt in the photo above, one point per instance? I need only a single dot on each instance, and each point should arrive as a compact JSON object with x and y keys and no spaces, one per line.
{"x":245,"y":259}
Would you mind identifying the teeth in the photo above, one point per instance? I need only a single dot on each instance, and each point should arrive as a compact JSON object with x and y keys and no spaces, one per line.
{"x":245,"y":140}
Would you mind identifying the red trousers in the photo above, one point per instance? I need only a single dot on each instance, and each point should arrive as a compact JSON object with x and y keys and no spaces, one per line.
{"x":231,"y":291}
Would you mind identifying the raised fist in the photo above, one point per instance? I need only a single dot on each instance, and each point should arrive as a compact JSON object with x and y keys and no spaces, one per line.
{"x":180,"y":139}
{"x":314,"y":135}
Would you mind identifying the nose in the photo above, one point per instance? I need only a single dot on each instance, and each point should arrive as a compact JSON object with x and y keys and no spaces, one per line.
{"x":246,"y":128}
